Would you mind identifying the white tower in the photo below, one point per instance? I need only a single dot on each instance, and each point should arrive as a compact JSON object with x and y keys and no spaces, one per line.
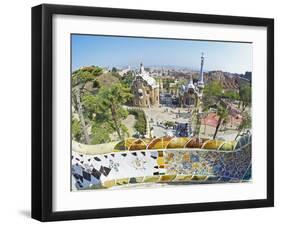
{"x":190,"y":83}
{"x":141,"y":68}
{"x":201,"y":77}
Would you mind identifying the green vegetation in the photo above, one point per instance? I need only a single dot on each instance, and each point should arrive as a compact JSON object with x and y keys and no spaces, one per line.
{"x":107,"y":79}
{"x":245,"y":124}
{"x":212,"y":98}
{"x":169,"y":124}
{"x":245,"y":94}
{"x":106,"y":112}
{"x":223,"y":114}
{"x":140,"y":125}
{"x":85,"y":74}
{"x":96,"y":84}
{"x":99,"y":108}
{"x":232,"y":95}
{"x":115,"y":73}
{"x":101,"y":132}
{"x":213,"y":92}
{"x":127,"y":79}
{"x":76,"y":100}
{"x":114,"y":70}
{"x":98,"y":98}
{"x":166,"y":83}
{"x":76,"y":130}
{"x":79,"y":79}
{"x":109,"y":107}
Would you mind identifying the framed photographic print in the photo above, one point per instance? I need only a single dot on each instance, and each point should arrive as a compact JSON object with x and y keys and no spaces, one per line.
{"x":145,"y":112}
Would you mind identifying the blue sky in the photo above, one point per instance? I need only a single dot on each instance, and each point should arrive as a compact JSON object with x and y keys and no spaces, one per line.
{"x":109,"y":51}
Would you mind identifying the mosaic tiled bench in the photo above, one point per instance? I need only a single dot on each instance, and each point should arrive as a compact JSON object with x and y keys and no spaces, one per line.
{"x":165,"y":160}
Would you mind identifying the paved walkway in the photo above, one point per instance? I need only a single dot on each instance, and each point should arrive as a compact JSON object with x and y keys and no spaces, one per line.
{"x":129,"y":122}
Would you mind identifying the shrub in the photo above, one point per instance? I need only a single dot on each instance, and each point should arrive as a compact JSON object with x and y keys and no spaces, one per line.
{"x":140,"y":125}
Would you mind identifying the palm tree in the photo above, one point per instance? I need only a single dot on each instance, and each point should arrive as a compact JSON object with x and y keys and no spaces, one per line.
{"x":222,"y":112}
{"x":213,"y":93}
{"x":245,"y":123}
{"x":245,"y":95}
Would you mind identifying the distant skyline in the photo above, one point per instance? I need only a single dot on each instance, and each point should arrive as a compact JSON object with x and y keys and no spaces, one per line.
{"x":116,"y":51}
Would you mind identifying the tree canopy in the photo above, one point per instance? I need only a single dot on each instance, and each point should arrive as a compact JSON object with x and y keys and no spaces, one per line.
{"x":140,"y":125}
{"x":246,"y":123}
{"x":245,"y":93}
{"x":213,"y":92}
{"x":232,"y":95}
{"x":106,"y":106}
{"x":127,"y":79}
{"x":85,"y":74}
{"x":76,"y":130}
{"x":223,"y":114}
{"x":102,"y":110}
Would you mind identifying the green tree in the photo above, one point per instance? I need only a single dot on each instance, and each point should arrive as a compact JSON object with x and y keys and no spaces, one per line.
{"x":79,"y":108}
{"x":223,"y":114}
{"x":127,"y":79}
{"x":85,"y":74}
{"x":169,"y":123}
{"x":232,"y":95}
{"x":245,"y":94}
{"x":140,"y":124}
{"x":246,"y":123}
{"x":166,"y":84}
{"x":114,"y":70}
{"x":96,"y":84}
{"x":90,"y":102}
{"x":213,"y":92}
{"x":100,"y":132}
{"x":109,"y":107}
{"x":76,"y":130}
{"x":79,"y":79}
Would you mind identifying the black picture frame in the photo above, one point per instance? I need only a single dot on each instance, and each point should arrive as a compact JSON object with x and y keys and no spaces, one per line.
{"x":42,"y":107}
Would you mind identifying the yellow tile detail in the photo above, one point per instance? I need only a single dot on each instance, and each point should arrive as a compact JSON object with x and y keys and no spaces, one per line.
{"x":109,"y":183}
{"x":160,"y":161}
